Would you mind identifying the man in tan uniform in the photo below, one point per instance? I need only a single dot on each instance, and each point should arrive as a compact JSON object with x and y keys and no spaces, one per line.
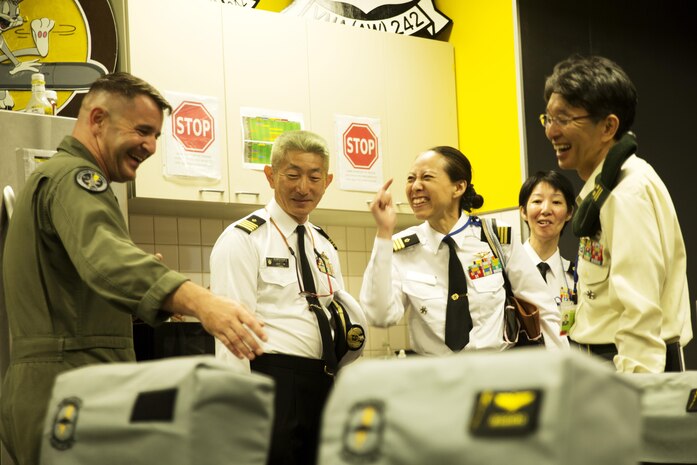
{"x":633,"y":301}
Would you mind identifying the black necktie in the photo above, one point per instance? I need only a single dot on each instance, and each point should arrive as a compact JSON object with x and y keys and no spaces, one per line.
{"x":458,"y":321}
{"x":325,"y":331}
{"x":544,"y":268}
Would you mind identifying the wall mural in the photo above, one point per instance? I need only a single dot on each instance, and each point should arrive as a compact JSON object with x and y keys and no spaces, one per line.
{"x":240,"y":3}
{"x":408,"y":17}
{"x":54,"y":37}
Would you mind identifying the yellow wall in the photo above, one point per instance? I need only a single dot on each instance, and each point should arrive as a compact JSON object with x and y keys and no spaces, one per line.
{"x":483,"y":37}
{"x":487,"y":103}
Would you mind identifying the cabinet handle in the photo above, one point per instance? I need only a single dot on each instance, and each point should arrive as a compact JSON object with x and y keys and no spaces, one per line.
{"x":396,"y":204}
{"x":215,"y":191}
{"x":256,"y":194}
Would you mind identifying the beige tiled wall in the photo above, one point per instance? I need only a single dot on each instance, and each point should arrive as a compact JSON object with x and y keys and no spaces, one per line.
{"x":185,"y":244}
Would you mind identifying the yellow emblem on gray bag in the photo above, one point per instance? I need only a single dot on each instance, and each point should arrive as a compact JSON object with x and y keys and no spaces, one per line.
{"x":363,"y":432}
{"x":506,"y":413}
{"x":64,"y":424}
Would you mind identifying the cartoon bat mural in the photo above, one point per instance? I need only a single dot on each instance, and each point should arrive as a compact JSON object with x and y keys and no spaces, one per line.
{"x":54,"y":37}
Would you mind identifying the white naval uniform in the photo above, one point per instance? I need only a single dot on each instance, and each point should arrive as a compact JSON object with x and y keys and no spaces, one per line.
{"x":258,"y":270}
{"x":416,"y":279}
{"x":558,"y":276}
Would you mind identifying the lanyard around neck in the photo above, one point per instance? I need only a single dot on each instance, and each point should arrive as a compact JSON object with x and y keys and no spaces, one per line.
{"x":295,"y":259}
{"x":470,"y":221}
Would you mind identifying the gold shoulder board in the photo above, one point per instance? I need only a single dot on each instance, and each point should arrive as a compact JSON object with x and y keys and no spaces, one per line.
{"x":402,"y":243}
{"x":504,"y":234}
{"x":326,"y":236}
{"x":250,"y":223}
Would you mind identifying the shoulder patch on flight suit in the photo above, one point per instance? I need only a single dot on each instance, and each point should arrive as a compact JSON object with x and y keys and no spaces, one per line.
{"x":91,"y":180}
{"x":401,"y":243}
{"x":250,"y":223}
{"x":326,"y":236}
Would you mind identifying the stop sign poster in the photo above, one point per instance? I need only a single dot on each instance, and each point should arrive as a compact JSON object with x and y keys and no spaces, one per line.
{"x":191,"y":139}
{"x":359,"y":153}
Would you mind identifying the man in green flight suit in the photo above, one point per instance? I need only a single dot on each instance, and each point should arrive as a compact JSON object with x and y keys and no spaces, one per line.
{"x":73,"y":277}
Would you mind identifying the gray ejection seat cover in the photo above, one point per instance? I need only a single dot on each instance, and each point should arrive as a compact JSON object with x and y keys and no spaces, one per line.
{"x":177,"y":411}
{"x":526,"y":406}
{"x":669,"y":416}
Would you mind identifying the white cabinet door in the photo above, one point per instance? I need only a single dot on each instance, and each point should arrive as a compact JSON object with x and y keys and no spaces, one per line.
{"x":347,"y":77}
{"x":270,"y":61}
{"x":178,"y":48}
{"x":422,"y":108}
{"x":265,"y":68}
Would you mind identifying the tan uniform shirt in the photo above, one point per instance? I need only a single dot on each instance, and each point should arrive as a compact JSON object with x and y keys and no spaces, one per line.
{"x":632,"y":288}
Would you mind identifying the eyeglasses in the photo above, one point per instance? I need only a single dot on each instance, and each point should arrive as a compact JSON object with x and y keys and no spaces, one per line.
{"x":563,"y":121}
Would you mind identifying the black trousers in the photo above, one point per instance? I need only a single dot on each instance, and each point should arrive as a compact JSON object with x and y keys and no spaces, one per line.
{"x":302,"y":388}
{"x":674,"y":361}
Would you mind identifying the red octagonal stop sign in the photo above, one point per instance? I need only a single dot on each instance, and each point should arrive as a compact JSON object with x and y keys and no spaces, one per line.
{"x":193,"y":126}
{"x":360,"y":146}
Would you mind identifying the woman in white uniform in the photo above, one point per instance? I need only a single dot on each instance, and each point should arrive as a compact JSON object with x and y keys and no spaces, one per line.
{"x":411,"y":271}
{"x":546,"y":202}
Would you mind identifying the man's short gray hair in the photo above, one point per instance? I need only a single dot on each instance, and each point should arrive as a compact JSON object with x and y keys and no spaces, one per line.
{"x":301,"y":141}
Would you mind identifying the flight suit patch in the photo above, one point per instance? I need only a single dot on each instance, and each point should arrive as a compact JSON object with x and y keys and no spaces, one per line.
{"x":91,"y":180}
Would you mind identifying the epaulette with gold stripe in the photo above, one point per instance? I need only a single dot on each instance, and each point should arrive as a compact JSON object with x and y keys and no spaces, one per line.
{"x":250,"y":223}
{"x":502,"y":232}
{"x":402,"y":243}
{"x":326,"y":236}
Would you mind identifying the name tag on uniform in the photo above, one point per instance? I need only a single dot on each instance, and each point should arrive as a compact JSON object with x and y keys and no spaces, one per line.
{"x":277,"y":262}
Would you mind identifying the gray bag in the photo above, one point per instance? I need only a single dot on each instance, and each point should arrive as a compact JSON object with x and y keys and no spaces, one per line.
{"x":528,"y":406}
{"x":669,"y":414}
{"x":185,"y":410}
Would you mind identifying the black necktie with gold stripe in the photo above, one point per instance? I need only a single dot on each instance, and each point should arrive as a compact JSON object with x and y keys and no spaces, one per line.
{"x":458,"y":321}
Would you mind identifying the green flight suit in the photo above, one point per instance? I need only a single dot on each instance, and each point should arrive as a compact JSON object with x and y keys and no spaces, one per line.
{"x":72,"y":279}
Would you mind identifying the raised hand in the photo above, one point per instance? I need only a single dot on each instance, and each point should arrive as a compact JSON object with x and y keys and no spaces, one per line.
{"x":384,"y":212}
